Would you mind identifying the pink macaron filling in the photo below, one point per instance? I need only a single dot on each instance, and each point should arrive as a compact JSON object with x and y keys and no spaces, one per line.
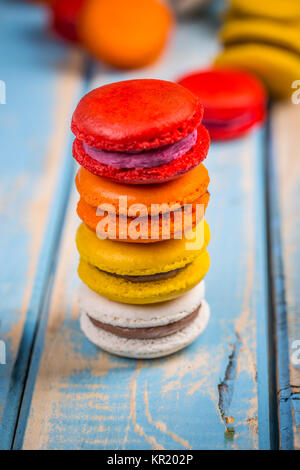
{"x":146,"y":159}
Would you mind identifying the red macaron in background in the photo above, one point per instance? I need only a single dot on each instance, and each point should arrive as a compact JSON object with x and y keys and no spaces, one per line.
{"x":234,"y":100}
{"x":140,"y":131}
{"x":64,"y":16}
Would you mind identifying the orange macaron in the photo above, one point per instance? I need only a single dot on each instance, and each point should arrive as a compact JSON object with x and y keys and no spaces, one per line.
{"x":163,"y":211}
{"x":125,"y":33}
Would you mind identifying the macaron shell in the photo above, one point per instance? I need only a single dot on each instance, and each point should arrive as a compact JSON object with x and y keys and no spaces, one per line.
{"x":139,"y":316}
{"x":121,"y":290}
{"x":96,"y":190}
{"x":139,"y":259}
{"x":261,"y":30}
{"x":287,"y":10}
{"x":146,"y":349}
{"x":88,"y":215}
{"x":136,"y":115}
{"x":276,"y":67}
{"x":226,"y":93}
{"x":159,"y":174}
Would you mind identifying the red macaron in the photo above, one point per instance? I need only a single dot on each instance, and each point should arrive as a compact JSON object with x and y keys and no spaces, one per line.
{"x":64,"y":18}
{"x":139,"y":131}
{"x":234,"y":100}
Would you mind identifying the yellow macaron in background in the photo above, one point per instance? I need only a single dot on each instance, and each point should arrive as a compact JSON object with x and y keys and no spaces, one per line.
{"x":282,"y":10}
{"x":264,"y":37}
{"x":277,"y":68}
{"x":263,"y":31}
{"x":139,"y":274}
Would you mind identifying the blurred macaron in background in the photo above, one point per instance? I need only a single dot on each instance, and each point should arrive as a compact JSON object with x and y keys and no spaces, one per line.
{"x":64,"y":16}
{"x":234,"y":100}
{"x":264,"y":37}
{"x":123,"y":33}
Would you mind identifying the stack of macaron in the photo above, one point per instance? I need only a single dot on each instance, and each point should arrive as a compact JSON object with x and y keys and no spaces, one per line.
{"x":143,"y":238}
{"x":264,"y":37}
{"x":234,"y":100}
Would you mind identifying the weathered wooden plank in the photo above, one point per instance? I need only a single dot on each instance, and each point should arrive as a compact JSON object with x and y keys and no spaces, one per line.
{"x":42,"y":83}
{"x":285,"y":193}
{"x":87,"y":399}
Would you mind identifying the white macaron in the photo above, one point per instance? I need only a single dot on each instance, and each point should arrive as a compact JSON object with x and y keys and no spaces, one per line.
{"x":139,"y":316}
{"x":146,"y":348}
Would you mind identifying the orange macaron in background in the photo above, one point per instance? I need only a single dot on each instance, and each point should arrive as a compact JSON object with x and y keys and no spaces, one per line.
{"x":125,"y":33}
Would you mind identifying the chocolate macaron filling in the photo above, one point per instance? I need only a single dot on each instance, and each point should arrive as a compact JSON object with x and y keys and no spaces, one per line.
{"x":145,"y":159}
{"x":147,"y":278}
{"x":147,"y":333}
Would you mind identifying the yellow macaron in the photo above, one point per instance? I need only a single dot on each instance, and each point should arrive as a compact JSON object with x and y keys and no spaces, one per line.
{"x":262,"y":31}
{"x":125,"y":291}
{"x":134,"y":259}
{"x":264,"y":38}
{"x":287,"y":10}
{"x":276,"y":67}
{"x":139,"y":274}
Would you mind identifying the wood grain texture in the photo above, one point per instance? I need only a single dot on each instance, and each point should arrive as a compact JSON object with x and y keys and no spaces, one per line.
{"x":87,"y":399}
{"x":286,"y":156}
{"x":42,"y":82}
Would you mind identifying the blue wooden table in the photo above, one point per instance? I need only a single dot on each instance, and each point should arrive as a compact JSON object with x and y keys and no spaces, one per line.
{"x":238,"y":385}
